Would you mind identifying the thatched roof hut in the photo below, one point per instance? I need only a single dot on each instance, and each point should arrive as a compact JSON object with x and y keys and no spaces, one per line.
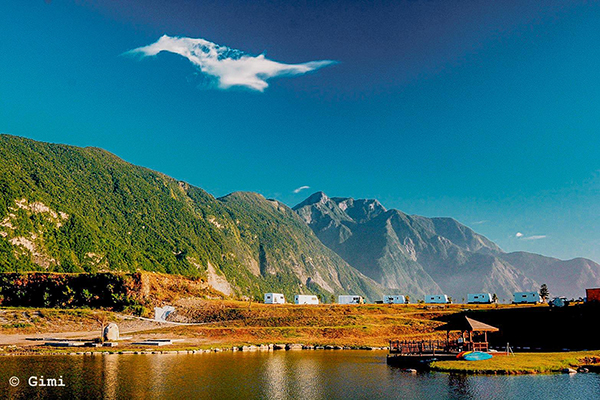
{"x":466,"y":324}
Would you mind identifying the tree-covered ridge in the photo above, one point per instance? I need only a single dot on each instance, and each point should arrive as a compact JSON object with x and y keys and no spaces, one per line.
{"x":115,"y":209}
{"x":112,"y":215}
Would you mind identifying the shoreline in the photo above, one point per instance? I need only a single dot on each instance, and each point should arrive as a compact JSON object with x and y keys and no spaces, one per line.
{"x":194,"y":350}
{"x":525,"y":363}
{"x":563,"y":362}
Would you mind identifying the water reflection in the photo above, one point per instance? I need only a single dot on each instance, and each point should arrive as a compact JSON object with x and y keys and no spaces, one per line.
{"x":307,"y":373}
{"x":272,"y":375}
{"x":458,"y":387}
{"x":275,"y":378}
{"x":110,"y":375}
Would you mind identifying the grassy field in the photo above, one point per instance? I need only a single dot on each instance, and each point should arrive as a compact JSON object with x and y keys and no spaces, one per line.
{"x":235,"y":322}
{"x":520,"y":363}
{"x":22,"y":320}
{"x":227,"y":322}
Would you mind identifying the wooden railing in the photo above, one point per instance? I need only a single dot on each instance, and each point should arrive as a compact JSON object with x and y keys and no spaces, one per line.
{"x":417,"y":346}
{"x":434,"y":346}
{"x":480,"y":346}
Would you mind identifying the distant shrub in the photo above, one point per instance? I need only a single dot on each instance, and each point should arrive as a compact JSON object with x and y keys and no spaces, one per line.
{"x":100,"y":290}
{"x":17,"y":325}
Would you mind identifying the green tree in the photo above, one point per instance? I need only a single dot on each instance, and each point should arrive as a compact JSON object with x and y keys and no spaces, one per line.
{"x":544,"y":292}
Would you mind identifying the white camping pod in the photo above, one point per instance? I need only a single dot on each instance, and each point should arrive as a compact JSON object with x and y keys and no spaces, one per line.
{"x":481,"y":298}
{"x":437,"y":299}
{"x":274,"y":298}
{"x":526,"y":298}
{"x":306,"y":299}
{"x":350,"y":299}
{"x":394,"y":299}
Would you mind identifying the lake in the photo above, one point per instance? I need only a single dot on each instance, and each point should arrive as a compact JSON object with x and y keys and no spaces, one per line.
{"x":318,"y":374}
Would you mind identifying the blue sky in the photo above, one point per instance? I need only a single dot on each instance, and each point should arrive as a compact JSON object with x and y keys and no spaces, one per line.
{"x":488,"y":112}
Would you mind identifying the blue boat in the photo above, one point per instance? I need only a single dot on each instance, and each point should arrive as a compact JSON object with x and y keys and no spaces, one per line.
{"x":476,"y":356}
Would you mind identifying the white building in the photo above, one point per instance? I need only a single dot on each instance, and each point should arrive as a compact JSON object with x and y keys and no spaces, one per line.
{"x":526,"y":298}
{"x":437,"y":299}
{"x":274,"y":298}
{"x":394,"y":299}
{"x":306,"y":299}
{"x":481,"y":298}
{"x":161,"y":313}
{"x":350,"y":299}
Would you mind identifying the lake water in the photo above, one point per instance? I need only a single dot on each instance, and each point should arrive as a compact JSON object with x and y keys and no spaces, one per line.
{"x":318,"y":374}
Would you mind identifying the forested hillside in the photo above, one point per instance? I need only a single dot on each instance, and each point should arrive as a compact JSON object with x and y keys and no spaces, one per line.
{"x":70,"y":209}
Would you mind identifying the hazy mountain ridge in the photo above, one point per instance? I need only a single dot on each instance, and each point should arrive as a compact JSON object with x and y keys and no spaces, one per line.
{"x":70,"y":209}
{"x":418,"y":255}
{"x":563,"y":277}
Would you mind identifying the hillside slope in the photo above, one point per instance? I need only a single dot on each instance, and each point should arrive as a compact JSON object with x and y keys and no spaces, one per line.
{"x":70,"y":209}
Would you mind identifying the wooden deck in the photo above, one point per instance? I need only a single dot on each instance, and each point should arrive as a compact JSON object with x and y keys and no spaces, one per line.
{"x":416,"y":347}
{"x":419,"y":354}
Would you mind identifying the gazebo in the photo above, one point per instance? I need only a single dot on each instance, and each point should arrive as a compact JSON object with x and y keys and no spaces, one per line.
{"x":471,"y":333}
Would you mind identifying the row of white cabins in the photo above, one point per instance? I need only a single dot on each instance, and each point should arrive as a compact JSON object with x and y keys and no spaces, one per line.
{"x":474,"y":298}
{"x":278,"y":298}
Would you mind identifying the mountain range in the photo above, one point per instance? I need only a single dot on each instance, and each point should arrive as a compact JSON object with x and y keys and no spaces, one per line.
{"x":416,"y":255}
{"x":70,"y":209}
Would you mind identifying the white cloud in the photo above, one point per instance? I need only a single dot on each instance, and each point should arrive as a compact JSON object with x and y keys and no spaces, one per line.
{"x":230,"y":67}
{"x":520,"y":236}
{"x":301,"y":188}
{"x":534,"y":237}
{"x":483,"y":221}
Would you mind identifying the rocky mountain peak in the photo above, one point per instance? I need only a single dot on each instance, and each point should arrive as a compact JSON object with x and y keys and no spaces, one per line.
{"x":409,"y":253}
{"x":360,"y":210}
{"x":313,"y":199}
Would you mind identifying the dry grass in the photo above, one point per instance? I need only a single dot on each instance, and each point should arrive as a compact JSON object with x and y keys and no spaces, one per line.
{"x":158,"y":289}
{"x":41,"y":320}
{"x":236,"y":323}
{"x":229,"y":322}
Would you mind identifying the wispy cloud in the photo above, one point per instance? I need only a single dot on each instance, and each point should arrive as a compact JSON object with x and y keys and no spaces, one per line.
{"x":521,"y":236}
{"x":230,"y":67}
{"x":483,"y":221}
{"x":301,"y":188}
{"x":534,"y":237}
